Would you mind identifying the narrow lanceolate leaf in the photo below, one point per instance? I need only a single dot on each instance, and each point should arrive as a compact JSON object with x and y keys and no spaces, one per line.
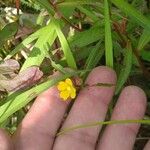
{"x":24,"y":43}
{"x":65,"y":46}
{"x":108,"y":37}
{"x":126,"y":69}
{"x":87,"y":37}
{"x":88,"y":13}
{"x":94,"y":57}
{"x":20,"y":99}
{"x":46,"y":4}
{"x":48,"y":35}
{"x":144,"y":39}
{"x":77,"y":2}
{"x":133,"y":13}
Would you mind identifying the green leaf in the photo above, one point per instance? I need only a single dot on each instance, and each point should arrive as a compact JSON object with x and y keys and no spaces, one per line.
{"x":145,"y":55}
{"x":67,"y":11}
{"x":23,"y":44}
{"x":65,"y":46}
{"x":144,"y":39}
{"x":133,"y":13}
{"x":126,"y":69}
{"x":46,"y":4}
{"x":27,"y":41}
{"x":8,"y":31}
{"x":78,"y":2}
{"x":94,"y":57}
{"x":108,"y":37}
{"x":49,"y":55}
{"x":48,"y":35}
{"x":87,"y":37}
{"x":88,"y":13}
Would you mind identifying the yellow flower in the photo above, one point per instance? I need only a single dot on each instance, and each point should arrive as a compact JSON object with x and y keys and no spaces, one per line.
{"x":67,"y":89}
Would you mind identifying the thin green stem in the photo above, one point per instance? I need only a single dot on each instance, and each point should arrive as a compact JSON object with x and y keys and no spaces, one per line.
{"x":102,"y":123}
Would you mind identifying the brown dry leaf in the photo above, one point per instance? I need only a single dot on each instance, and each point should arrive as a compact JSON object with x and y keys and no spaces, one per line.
{"x":9,"y":66}
{"x":24,"y":79}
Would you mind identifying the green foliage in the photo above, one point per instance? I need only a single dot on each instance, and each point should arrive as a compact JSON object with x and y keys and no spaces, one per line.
{"x":87,"y":37}
{"x":31,"y":4}
{"x":144,"y":39}
{"x":108,"y":38}
{"x":94,"y":57}
{"x":65,"y":46}
{"x":133,"y":13}
{"x":37,"y":54}
{"x":126,"y":69}
{"x":7,"y":32}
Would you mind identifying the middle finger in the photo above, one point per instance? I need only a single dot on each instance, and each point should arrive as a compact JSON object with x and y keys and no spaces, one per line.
{"x":91,"y":105}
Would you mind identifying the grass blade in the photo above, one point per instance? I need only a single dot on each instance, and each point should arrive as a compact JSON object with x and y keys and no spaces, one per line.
{"x":100,"y":123}
{"x":133,"y":13}
{"x":65,"y":46}
{"x":45,"y":4}
{"x":48,"y":35}
{"x":144,"y":39}
{"x":78,"y":2}
{"x":125,"y":71}
{"x":27,"y":41}
{"x":87,"y":37}
{"x":94,"y":57}
{"x":22,"y":45}
{"x":108,"y":37}
{"x":88,"y":13}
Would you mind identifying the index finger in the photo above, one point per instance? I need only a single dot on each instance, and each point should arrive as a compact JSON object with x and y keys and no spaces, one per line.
{"x":38,"y":128}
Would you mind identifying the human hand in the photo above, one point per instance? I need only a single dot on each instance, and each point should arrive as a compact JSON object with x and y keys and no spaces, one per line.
{"x":39,"y":128}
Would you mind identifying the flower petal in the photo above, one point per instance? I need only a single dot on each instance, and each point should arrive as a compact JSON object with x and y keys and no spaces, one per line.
{"x":64,"y":95}
{"x":62,"y":86}
{"x":68,"y":81}
{"x":73,"y":93}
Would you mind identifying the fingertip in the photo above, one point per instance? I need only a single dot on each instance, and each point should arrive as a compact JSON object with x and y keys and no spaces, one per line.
{"x":135,"y":93}
{"x":135,"y":90}
{"x":131,"y":105}
{"x":102,"y":74}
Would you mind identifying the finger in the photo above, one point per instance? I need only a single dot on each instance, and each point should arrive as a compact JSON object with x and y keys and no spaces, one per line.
{"x":130,"y":106}
{"x":90,"y":106}
{"x":38,"y":129}
{"x":5,"y":141}
{"x":147,"y":146}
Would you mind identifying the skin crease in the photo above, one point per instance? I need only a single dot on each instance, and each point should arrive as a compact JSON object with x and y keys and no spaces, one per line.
{"x":39,"y":127}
